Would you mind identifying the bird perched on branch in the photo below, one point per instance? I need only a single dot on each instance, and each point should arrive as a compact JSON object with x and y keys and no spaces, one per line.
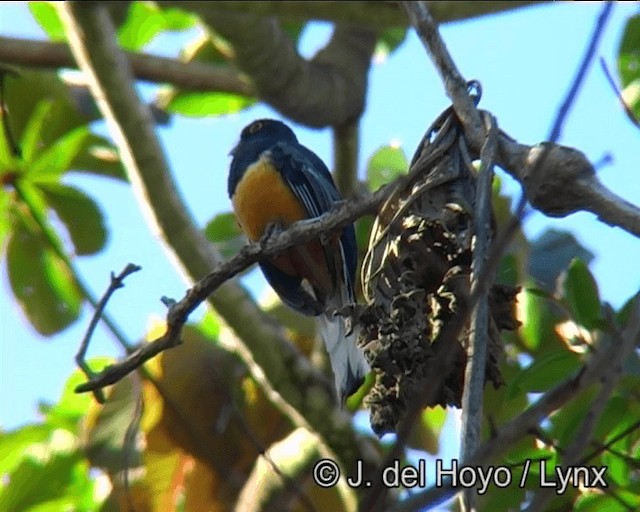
{"x":276,"y":181}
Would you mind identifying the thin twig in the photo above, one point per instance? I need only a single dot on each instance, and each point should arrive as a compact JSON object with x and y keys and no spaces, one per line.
{"x":556,"y":130}
{"x":116,"y":283}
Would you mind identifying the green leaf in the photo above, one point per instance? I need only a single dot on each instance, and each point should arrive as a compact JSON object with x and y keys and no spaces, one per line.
{"x":178,"y":20}
{"x":622,"y":316}
{"x":629,"y":52}
{"x":63,"y":477}
{"x":80,"y":215}
{"x":546,"y":372}
{"x":145,"y":20}
{"x":426,"y":435}
{"x":25,"y":92}
{"x":41,"y":282}
{"x":98,"y":156}
{"x":46,"y":14}
{"x":31,"y":144}
{"x":143,"y":23}
{"x":389,"y":40}
{"x":5,"y":214}
{"x":537,"y":329}
{"x":581,"y":294}
{"x":57,"y":158}
{"x":13,"y":445}
{"x":73,"y":407}
{"x":223,"y":231}
{"x":386,"y":164}
{"x":199,"y":104}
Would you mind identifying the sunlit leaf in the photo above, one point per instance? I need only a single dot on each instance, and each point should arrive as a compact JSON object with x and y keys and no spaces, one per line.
{"x":177,"y":20}
{"x":198,"y":104}
{"x":581,"y":293}
{"x":538,"y":321}
{"x":81,"y":216}
{"x":386,"y":164}
{"x":41,"y":283}
{"x":57,"y":157}
{"x":144,"y":21}
{"x":46,"y":14}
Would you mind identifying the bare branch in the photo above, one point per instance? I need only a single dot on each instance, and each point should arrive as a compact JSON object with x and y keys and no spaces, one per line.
{"x":116,"y":282}
{"x":275,"y":243}
{"x":195,"y":76}
{"x":563,"y":111}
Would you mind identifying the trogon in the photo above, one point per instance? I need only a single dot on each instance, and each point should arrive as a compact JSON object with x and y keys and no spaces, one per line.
{"x":275,"y":181}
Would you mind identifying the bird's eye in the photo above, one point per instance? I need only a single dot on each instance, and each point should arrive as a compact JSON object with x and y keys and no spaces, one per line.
{"x":255,"y":127}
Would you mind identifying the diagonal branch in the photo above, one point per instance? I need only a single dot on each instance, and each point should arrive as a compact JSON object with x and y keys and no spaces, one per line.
{"x":262,"y":345}
{"x":300,"y":232}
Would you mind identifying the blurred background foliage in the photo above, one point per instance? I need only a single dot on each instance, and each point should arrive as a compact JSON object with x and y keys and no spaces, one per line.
{"x":186,"y":434}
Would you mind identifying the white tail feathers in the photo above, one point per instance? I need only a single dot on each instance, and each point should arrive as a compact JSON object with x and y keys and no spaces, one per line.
{"x":347,"y":360}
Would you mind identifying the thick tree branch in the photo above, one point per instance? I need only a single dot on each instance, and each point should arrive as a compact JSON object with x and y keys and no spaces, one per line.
{"x":299,"y":393}
{"x":564,"y":180}
{"x":374,"y":14}
{"x":326,"y":90}
{"x":195,"y":76}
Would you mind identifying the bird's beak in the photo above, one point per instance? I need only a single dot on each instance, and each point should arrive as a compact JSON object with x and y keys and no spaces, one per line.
{"x":234,"y":150}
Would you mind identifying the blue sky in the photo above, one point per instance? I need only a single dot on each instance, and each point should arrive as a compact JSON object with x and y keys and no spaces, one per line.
{"x":525,"y":61}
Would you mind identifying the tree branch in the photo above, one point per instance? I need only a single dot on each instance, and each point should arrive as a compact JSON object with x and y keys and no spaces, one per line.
{"x":274,"y":244}
{"x":376,"y":15}
{"x":287,"y":378}
{"x":474,"y":375}
{"x":326,"y":90}
{"x":194,"y":76}
{"x":564,"y":180}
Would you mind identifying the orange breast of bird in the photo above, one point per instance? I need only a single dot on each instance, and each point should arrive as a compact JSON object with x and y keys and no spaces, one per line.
{"x":262,"y":198}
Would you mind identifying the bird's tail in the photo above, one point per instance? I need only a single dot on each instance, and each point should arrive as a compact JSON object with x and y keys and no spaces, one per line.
{"x":347,"y":360}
